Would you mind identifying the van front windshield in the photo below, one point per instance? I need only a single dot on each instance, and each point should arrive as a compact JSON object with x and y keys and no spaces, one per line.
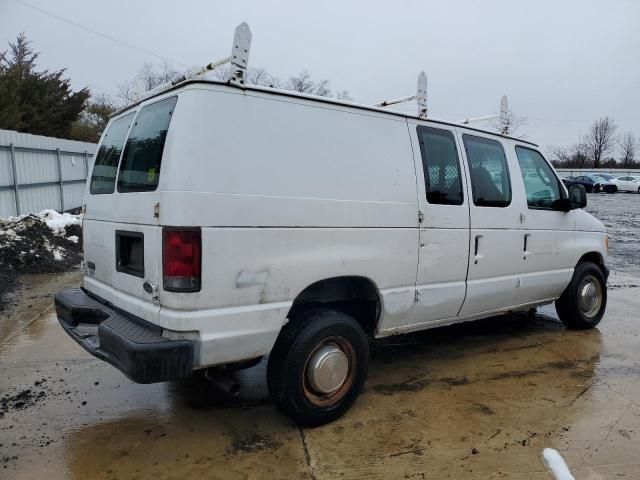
{"x":142,"y":157}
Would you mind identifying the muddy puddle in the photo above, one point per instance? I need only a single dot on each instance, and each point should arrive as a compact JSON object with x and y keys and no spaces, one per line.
{"x":477,"y":400}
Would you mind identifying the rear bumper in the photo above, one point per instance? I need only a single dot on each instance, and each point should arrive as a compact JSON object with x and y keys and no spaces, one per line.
{"x":135,"y":347}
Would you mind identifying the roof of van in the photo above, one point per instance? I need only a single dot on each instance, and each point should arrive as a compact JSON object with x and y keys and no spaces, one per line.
{"x":317,"y":98}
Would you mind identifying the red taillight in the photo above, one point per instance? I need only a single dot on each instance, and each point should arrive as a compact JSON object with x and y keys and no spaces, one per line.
{"x":181,"y":259}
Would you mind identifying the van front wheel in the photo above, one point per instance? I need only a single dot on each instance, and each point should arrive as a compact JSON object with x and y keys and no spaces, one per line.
{"x":318,"y":366}
{"x":583,"y":303}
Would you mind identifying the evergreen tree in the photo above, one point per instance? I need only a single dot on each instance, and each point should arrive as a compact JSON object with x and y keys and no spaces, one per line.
{"x":38,"y":102}
{"x":93,"y":119}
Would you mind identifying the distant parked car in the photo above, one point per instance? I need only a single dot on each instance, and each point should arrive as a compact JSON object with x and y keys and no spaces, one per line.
{"x":604,"y":185}
{"x":627,"y":184}
{"x":592,"y":183}
{"x":606,"y":176}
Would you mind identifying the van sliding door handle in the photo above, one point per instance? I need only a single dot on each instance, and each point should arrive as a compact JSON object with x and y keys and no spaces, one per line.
{"x":476,"y":250}
{"x":525,"y":246}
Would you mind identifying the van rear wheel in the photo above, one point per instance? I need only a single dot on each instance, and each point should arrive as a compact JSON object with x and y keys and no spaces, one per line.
{"x":583,"y":303}
{"x":318,"y":366}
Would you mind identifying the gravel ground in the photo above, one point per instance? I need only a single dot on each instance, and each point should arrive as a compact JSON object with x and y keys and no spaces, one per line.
{"x":621,"y":215}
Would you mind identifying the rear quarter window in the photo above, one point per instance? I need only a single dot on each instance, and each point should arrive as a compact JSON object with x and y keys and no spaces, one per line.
{"x":105,"y":167}
{"x":142,"y":157}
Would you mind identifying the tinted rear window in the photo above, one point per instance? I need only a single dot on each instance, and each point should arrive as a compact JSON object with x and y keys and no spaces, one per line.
{"x":441,"y":168}
{"x":141,"y":161}
{"x":103,"y":178}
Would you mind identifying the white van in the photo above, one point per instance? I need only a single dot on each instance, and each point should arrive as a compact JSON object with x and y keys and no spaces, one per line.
{"x":228,"y":222}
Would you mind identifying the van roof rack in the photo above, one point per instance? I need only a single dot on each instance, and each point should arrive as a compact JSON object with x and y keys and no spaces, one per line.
{"x":239,"y":60}
{"x":420,"y":97}
{"x":503,"y":116}
{"x":237,"y":75}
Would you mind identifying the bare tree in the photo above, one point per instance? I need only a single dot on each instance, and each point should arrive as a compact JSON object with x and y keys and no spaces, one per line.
{"x":628,"y":148}
{"x":601,"y":139}
{"x":510,"y":124}
{"x":301,"y":83}
{"x":343,"y":95}
{"x":260,"y":76}
{"x":322,"y":88}
{"x":574,"y":156}
{"x":125,"y":93}
{"x":150,"y":76}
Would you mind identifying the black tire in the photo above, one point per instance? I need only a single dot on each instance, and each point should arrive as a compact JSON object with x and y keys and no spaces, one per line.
{"x":576,"y":307}
{"x":287,"y":378}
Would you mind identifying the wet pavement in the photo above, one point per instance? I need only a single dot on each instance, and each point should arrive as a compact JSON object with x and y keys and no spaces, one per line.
{"x":478,"y":400}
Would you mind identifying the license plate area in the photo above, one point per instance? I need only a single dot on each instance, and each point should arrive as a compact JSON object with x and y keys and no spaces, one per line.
{"x":130,"y":253}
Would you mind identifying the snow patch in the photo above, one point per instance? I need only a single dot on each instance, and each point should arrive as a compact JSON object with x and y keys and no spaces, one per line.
{"x":556,"y":464}
{"x":73,"y":238}
{"x":58,"y":222}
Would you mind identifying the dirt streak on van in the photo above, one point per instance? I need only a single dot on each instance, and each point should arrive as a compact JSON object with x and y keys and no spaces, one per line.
{"x":225,"y":223}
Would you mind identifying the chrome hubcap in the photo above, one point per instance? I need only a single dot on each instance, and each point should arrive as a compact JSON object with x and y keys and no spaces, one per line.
{"x":327,"y":369}
{"x":590,"y":296}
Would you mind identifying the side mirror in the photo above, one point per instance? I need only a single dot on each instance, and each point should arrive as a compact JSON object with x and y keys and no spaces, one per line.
{"x":577,"y":196}
{"x":577,"y":199}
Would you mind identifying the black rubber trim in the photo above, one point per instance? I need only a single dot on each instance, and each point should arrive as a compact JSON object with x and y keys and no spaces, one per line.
{"x":132,"y":345}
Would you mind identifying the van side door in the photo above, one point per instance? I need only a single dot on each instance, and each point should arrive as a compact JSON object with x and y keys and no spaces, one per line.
{"x":548,"y":234}
{"x":495,"y":258}
{"x":444,"y":227}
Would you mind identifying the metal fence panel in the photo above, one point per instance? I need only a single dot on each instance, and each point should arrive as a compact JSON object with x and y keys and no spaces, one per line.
{"x":73,"y":166}
{"x":7,"y":204}
{"x":73,"y":194}
{"x":35,"y":166}
{"x":6,"y":177}
{"x":50,"y":172}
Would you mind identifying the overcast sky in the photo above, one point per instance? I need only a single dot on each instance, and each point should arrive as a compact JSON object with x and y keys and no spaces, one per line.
{"x":562,"y":64}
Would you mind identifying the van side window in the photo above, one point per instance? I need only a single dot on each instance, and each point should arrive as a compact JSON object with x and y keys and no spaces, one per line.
{"x":141,"y":160}
{"x":105,"y":167}
{"x":489,"y":171}
{"x":441,"y":166}
{"x":540,"y":183}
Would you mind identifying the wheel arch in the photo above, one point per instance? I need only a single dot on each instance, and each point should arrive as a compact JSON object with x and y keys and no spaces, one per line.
{"x":598,"y":259}
{"x":354,"y":295}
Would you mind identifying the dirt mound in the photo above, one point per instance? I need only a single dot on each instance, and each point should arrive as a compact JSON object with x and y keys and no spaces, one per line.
{"x":48,"y":242}
{"x":45,"y":243}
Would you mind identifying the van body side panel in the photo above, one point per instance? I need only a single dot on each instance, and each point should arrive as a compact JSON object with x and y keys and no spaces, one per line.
{"x":288,"y":162}
{"x":287,"y":193}
{"x":251,"y":276}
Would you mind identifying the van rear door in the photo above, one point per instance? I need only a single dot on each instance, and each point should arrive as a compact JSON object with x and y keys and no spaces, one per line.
{"x":122,"y":238}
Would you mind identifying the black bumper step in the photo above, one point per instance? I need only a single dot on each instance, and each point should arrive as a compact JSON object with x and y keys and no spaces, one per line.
{"x":134,"y":346}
